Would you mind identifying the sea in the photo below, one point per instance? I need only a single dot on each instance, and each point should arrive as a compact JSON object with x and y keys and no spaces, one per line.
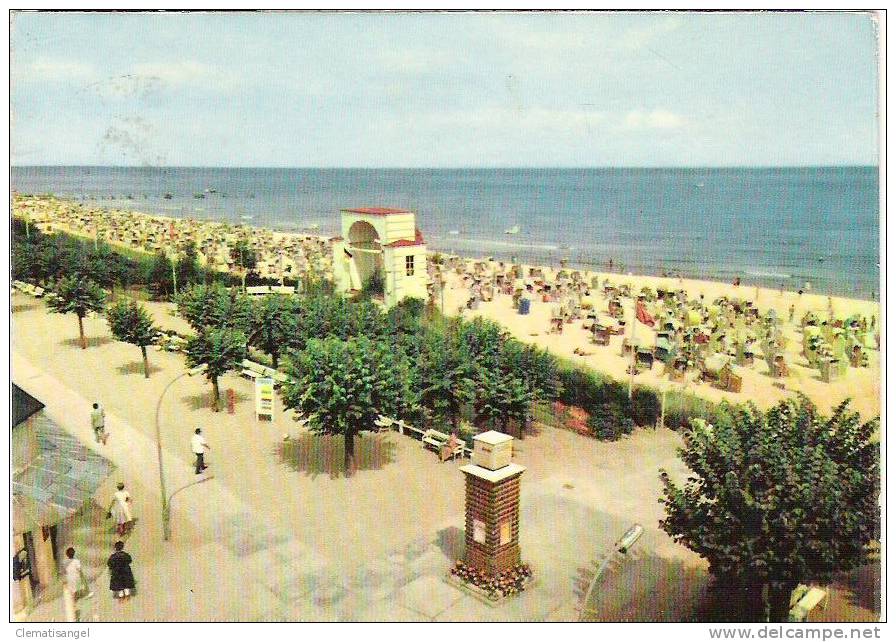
{"x":789,"y":227}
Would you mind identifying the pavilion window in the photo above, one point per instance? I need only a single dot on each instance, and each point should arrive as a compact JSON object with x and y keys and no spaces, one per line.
{"x":409,"y":265}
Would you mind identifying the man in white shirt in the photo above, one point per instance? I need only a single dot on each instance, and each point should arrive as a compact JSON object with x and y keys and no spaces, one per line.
{"x":199,"y":445}
{"x":73,"y":579}
{"x":98,"y":421}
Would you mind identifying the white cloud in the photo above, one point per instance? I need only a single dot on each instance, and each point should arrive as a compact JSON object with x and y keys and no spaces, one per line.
{"x":55,"y":69}
{"x":147,"y":79}
{"x":536,"y":119}
{"x":655,"y":119}
{"x":413,"y":61}
{"x":177,"y":73}
{"x":637,"y":37}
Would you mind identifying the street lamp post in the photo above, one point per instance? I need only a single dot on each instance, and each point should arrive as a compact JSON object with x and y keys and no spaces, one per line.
{"x":631,"y":375}
{"x":166,"y":500}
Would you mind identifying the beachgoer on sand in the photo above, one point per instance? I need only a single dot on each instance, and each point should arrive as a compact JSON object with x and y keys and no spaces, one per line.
{"x":120,"y":509}
{"x":121,"y":577}
{"x":98,"y":421}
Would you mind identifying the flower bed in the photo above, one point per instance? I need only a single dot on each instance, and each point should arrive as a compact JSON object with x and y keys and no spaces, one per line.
{"x":496,"y":587}
{"x":571,"y":418}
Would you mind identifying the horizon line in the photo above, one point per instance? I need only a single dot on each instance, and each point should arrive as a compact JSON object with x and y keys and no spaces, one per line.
{"x":446,"y":167}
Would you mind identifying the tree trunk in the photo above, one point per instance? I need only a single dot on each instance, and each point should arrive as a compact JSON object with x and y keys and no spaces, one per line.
{"x":145,"y":362}
{"x":779,"y":600}
{"x":216,"y":394}
{"x":81,"y":332}
{"x":275,"y":358}
{"x":349,"y":452}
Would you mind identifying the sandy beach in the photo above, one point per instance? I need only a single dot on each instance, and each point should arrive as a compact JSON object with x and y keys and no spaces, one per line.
{"x":282,"y":253}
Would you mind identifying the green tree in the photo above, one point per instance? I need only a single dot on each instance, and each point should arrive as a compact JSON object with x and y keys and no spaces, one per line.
{"x":160,"y":277}
{"x":188,"y":270}
{"x":273,"y":323}
{"x":220,"y":350}
{"x":131,"y":323}
{"x":243,"y":255}
{"x":79,"y":296}
{"x":214,"y":306}
{"x":343,"y":386}
{"x":444,"y":375}
{"x":776,"y":498}
{"x":502,"y":398}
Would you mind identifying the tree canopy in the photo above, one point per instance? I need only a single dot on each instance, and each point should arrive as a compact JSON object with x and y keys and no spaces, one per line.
{"x":776,"y":498}
{"x":214,"y":306}
{"x":343,"y":386}
{"x":131,"y":323}
{"x":274,"y":321}
{"x":79,"y":296}
{"x":219,"y":350}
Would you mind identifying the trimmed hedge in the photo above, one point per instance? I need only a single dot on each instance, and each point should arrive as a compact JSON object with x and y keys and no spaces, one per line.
{"x":612,"y":414}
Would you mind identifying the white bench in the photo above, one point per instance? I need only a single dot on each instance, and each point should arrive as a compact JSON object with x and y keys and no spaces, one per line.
{"x":262,"y":290}
{"x":437,"y":440}
{"x":254,"y":370}
{"x":171,"y":343}
{"x":258,"y":290}
{"x":33,"y":290}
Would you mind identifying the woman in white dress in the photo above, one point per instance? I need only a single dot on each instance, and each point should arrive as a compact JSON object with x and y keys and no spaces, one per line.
{"x":120,"y":510}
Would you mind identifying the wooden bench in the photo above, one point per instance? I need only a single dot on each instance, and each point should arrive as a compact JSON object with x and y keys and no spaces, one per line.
{"x":27,"y":288}
{"x":439,"y":440}
{"x":171,"y":343}
{"x":254,"y":370}
{"x":435,"y":439}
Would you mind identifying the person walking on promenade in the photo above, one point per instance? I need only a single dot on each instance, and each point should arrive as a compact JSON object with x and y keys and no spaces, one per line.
{"x":120,"y":510}
{"x":199,"y":445}
{"x":121,"y":578}
{"x":98,"y":421}
{"x":73,"y":580}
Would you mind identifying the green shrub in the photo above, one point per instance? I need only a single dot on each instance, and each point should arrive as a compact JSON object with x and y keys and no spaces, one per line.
{"x":375,"y":285}
{"x":580,"y":387}
{"x":611,"y":419}
{"x":682,"y":407}
{"x":645,"y":406}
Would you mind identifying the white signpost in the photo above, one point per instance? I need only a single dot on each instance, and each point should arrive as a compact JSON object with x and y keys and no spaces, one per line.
{"x":264,"y":398}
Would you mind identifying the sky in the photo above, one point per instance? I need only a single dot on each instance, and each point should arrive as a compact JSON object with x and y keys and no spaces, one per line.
{"x":444,"y":90}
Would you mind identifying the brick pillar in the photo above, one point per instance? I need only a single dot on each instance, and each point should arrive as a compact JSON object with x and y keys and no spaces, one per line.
{"x":492,"y":521}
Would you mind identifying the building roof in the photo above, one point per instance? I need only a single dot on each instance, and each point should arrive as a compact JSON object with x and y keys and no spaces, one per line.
{"x":58,"y":481}
{"x":418,"y":240}
{"x":492,"y":437}
{"x":377,"y":211}
{"x":23,"y":405}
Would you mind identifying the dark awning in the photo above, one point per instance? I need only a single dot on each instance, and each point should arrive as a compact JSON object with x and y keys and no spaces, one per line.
{"x":23,"y":405}
{"x":58,"y":481}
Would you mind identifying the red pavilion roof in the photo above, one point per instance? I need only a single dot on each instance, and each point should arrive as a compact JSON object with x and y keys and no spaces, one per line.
{"x":377,"y":211}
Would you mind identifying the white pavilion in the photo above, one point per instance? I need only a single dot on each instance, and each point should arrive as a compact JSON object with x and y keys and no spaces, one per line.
{"x":385,"y":240}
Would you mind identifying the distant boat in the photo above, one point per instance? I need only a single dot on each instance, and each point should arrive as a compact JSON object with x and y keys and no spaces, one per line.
{"x":314,"y":226}
{"x":513,"y":230}
{"x":454,"y":232}
{"x":200,"y":195}
{"x":700,"y":184}
{"x":247,"y":218}
{"x":168,"y":196}
{"x":211,"y":190}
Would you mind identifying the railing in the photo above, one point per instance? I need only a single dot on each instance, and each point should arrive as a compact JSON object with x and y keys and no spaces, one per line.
{"x":401,"y":425}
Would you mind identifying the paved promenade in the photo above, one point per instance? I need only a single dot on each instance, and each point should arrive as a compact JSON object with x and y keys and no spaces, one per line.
{"x":280,"y":534}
